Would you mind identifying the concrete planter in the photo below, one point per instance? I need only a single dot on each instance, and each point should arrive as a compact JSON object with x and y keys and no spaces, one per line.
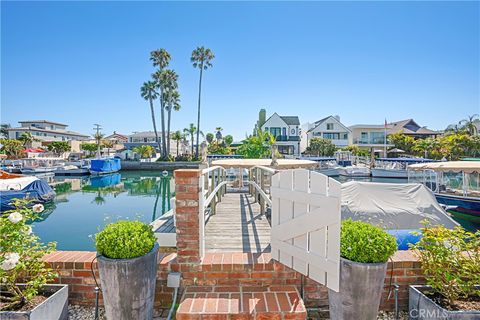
{"x":54,"y":308}
{"x":361,"y":286}
{"x":421,"y":307}
{"x":128,"y":286}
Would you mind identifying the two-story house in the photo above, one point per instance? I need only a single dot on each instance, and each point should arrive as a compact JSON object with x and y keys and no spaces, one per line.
{"x":286,"y":130}
{"x":329,"y":128}
{"x":46,"y":131}
{"x":370,"y":137}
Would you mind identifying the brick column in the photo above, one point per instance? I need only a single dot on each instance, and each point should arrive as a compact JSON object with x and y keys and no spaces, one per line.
{"x":187,"y":193}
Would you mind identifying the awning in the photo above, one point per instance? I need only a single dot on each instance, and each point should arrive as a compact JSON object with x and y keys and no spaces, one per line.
{"x":448,"y":166}
{"x":249,"y":163}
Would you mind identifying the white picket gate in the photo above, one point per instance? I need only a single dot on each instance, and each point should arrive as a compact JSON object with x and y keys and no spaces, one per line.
{"x":305,"y":233}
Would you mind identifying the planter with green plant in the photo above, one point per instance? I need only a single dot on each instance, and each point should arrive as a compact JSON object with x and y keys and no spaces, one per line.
{"x":127,"y":263}
{"x":450,"y":261}
{"x":364,"y":251}
{"x":24,"y":276}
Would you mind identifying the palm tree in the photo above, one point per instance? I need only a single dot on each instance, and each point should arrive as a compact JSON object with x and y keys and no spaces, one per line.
{"x":469,"y":124}
{"x":209,"y":137}
{"x":161,"y":59}
{"x":148,"y":93}
{"x":27,"y":139}
{"x":108,"y":144}
{"x":177,"y":136}
{"x":201,"y":59}
{"x":171,"y":98}
{"x":191,"y":131}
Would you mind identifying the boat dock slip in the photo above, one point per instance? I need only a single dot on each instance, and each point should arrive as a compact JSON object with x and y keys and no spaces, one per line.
{"x":237,"y":226}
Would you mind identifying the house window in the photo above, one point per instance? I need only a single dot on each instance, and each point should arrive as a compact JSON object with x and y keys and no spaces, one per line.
{"x":329,"y":126}
{"x":292,"y":132}
{"x":275,"y":131}
{"x":266,"y":129}
{"x":284,"y":131}
{"x":286,"y":149}
{"x":345,"y":136}
{"x":331,"y":136}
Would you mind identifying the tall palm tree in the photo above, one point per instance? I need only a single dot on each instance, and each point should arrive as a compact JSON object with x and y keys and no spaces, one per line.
{"x":161,"y":59}
{"x":191,"y":130}
{"x":201,"y":59}
{"x":177,"y":136}
{"x":148,"y":93}
{"x":469,"y":124}
{"x":171,"y":98}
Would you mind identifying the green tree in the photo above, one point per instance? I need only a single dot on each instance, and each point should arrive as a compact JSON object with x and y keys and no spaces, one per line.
{"x":4,"y":130}
{"x":455,"y":146}
{"x":191,"y":130}
{"x":171,"y":99}
{"x":209,"y":137}
{"x":426,"y":146}
{"x":258,"y":146}
{"x":218,"y":148}
{"x":107,"y":144}
{"x":321,"y":147}
{"x":27,"y":139}
{"x":469,"y":124}
{"x":402,"y":141}
{"x":149,"y":93}
{"x":228,"y":140}
{"x":201,"y":58}
{"x":145,"y":151}
{"x":89,"y":147}
{"x":161,"y":59}
{"x":177,"y":136}
{"x":12,"y":148}
{"x":58,"y":147}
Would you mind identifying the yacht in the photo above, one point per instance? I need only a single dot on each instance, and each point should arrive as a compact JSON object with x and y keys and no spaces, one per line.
{"x":395,"y":167}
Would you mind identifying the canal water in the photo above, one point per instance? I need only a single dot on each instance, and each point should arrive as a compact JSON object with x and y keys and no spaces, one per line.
{"x":83,"y":206}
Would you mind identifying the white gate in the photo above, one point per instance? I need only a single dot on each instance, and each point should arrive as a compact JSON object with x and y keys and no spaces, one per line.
{"x":305,"y":232}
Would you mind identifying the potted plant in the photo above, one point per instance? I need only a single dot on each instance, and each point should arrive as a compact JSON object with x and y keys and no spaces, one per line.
{"x":450,"y":261}
{"x":128,"y":268}
{"x":24,"y":292}
{"x":364,"y":251}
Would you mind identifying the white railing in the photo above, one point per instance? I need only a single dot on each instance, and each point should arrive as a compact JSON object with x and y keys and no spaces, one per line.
{"x":260,"y":180}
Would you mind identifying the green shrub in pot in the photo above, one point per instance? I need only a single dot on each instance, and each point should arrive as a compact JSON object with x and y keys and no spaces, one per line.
{"x":128,"y":269}
{"x":364,"y":250}
{"x":125,"y":240}
{"x":365,"y":243}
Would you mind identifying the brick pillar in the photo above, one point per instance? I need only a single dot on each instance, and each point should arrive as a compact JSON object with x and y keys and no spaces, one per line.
{"x":187,"y":194}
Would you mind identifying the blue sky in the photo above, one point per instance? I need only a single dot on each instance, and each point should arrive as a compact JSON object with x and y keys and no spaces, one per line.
{"x":83,"y":63}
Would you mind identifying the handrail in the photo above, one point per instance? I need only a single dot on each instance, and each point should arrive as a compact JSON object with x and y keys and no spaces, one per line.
{"x":261,"y":192}
{"x":213,"y":193}
{"x":268,"y":169}
{"x":210,"y":169}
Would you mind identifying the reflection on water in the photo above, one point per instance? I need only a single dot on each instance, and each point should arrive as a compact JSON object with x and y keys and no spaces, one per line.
{"x":84,"y":205}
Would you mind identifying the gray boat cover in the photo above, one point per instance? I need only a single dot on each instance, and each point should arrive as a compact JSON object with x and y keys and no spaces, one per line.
{"x":392,"y":205}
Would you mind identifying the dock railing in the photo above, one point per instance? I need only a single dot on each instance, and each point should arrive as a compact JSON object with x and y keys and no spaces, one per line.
{"x":259,"y":182}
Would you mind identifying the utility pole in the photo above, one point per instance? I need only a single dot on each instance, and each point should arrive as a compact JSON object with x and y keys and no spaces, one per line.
{"x":98,"y":137}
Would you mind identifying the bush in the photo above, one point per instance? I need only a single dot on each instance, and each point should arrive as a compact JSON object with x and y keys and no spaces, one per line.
{"x":168,"y":158}
{"x":125,"y":240}
{"x":362,"y":242}
{"x":450,"y":261}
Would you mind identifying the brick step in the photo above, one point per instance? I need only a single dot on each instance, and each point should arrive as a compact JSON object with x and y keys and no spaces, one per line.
{"x":275,"y":302}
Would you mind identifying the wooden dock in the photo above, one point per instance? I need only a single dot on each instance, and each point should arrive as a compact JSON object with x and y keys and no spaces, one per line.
{"x":237,"y":226}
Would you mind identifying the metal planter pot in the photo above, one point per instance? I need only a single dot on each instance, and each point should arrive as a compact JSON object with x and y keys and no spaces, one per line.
{"x":128,"y":286}
{"x":361,"y":286}
{"x":55,"y":307}
{"x":421,"y":307}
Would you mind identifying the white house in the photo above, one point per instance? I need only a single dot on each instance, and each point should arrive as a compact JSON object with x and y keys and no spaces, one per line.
{"x":329,"y":128}
{"x":286,"y":130}
{"x":46,"y":131}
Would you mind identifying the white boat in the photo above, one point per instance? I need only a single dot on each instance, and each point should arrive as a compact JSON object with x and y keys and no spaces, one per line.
{"x":14,"y":181}
{"x":71,"y":170}
{"x":394,"y":167}
{"x":354,"y":171}
{"x":326,"y":165}
{"x":41,"y":165}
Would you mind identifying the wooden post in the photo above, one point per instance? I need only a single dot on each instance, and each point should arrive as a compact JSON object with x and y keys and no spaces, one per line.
{"x":257,"y":182}
{"x":262,"y":186}
{"x":250,"y":178}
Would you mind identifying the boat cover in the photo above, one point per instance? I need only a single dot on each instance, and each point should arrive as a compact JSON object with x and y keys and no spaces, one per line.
{"x":105,"y":165}
{"x":392,"y":206}
{"x":105,"y":180}
{"x":38,"y":191}
{"x":16,"y":183}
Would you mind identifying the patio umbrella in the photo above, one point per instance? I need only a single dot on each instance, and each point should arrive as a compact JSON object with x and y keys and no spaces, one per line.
{"x":33,"y":150}
{"x":396,"y":150}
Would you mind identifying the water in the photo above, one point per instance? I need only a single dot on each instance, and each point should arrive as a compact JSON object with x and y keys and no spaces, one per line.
{"x":84,"y":205}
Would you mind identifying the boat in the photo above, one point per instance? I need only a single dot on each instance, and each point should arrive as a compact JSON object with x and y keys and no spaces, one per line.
{"x":456,"y":184}
{"x":40,"y":165}
{"x":104,"y":166}
{"x":351,"y":166}
{"x":399,"y":208}
{"x":15,"y":186}
{"x":71,"y":170}
{"x":394,"y":167}
{"x":358,"y":171}
{"x":326,"y":165}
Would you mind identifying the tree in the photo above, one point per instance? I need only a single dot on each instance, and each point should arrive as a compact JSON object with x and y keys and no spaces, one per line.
{"x":58,"y":147}
{"x":402,"y":141}
{"x":147,"y":91}
{"x":27,"y":139}
{"x":356,"y":151}
{"x":161,"y":59}
{"x":177,"y":136}
{"x":209,"y":137}
{"x":145,"y":151}
{"x":171,"y":97}
{"x":12,"y":148}
{"x":4,"y":130}
{"x":321,"y":147}
{"x":423,"y":146}
{"x":469,"y":124}
{"x":257,"y":146}
{"x":218,"y":148}
{"x":191,"y":130}
{"x":107,"y":144}
{"x":228,"y":140}
{"x":201,"y":58}
{"x":90,"y":147}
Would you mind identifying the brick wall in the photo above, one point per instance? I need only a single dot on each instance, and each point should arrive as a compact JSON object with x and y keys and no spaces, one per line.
{"x":225,"y":271}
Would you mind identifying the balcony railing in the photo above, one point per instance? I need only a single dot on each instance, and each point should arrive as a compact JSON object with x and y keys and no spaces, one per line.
{"x":288,"y":138}
{"x":368,"y":141}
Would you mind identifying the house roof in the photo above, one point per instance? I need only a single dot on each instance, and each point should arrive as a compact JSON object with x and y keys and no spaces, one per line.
{"x":114,"y":135}
{"x":58,"y":131}
{"x":43,"y":121}
{"x":319,"y":122}
{"x":408,"y":126}
{"x":291,"y":120}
